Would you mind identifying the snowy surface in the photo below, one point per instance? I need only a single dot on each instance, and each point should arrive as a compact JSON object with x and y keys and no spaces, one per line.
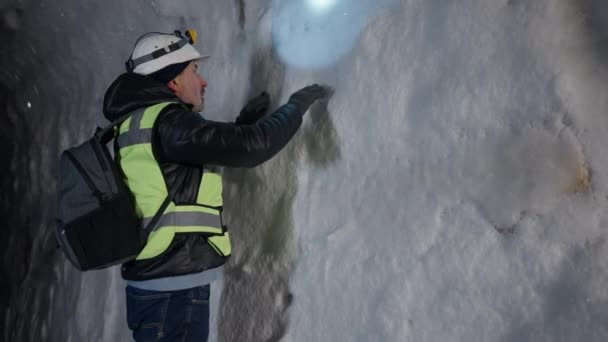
{"x":453,"y":189}
{"x":461,"y":208}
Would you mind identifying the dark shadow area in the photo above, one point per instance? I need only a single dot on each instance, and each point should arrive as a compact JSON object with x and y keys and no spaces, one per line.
{"x":256,"y":295}
{"x":240,"y":5}
{"x":594,"y":16}
{"x":320,"y":136}
{"x":254,"y":279}
{"x":13,"y":138}
{"x":570,"y":311}
{"x":7,"y":140}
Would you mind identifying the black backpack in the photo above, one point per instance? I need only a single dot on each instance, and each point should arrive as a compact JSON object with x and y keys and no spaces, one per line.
{"x":97,"y":226}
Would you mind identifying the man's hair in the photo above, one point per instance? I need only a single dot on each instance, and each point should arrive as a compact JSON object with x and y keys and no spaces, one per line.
{"x":168,"y":73}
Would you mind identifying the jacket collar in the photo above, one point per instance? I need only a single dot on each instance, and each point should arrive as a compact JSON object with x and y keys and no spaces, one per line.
{"x":132,"y":91}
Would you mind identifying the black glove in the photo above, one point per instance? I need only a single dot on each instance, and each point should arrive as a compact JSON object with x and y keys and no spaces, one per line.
{"x":305,"y":97}
{"x":254,"y":109}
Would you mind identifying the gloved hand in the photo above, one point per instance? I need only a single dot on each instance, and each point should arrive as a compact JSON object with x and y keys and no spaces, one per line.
{"x":254,"y":109}
{"x":306,"y":96}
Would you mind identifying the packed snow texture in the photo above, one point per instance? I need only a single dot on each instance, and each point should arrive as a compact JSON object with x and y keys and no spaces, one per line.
{"x":453,"y":188}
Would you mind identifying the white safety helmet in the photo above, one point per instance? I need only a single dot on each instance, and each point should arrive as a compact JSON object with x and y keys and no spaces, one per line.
{"x":154,"y":51}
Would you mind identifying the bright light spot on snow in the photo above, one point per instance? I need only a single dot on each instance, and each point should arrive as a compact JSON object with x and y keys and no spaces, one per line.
{"x":317,"y":33}
{"x":321,"y":5}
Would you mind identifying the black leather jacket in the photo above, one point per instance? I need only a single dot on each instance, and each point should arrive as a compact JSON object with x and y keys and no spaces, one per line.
{"x":183,"y":142}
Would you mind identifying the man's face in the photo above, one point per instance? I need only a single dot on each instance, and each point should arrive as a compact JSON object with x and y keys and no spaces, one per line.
{"x":190,"y":86}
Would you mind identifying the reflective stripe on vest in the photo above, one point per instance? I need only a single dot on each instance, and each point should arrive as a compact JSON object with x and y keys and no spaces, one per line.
{"x":144,"y":178}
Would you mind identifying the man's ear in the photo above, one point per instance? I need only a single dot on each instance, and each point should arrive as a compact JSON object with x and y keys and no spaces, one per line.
{"x":172,"y":85}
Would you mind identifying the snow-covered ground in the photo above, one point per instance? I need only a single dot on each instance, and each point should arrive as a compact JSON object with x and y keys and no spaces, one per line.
{"x":453,"y":189}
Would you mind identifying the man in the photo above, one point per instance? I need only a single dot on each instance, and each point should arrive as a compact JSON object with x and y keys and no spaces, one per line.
{"x":166,"y":152}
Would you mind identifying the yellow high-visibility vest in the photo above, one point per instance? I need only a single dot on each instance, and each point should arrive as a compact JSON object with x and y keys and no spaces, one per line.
{"x":144,"y":178}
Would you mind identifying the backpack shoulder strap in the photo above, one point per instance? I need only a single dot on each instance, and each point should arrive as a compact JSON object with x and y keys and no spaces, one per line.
{"x":103,"y":134}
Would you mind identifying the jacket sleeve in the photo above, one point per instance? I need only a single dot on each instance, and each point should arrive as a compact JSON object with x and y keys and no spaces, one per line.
{"x":185,"y":137}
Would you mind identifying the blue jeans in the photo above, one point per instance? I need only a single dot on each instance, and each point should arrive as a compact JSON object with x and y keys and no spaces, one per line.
{"x":181,"y":315}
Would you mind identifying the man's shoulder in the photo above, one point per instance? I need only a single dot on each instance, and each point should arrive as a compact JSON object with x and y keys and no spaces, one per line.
{"x":176,"y":116}
{"x":176,"y":111}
